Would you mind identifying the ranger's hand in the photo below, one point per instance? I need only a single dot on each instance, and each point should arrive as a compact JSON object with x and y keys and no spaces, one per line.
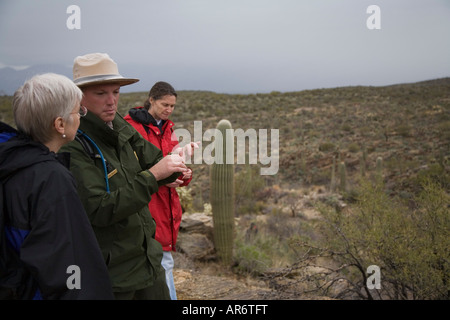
{"x":167,"y":166}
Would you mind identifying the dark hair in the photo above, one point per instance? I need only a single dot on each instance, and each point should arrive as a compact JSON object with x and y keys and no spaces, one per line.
{"x":159,"y":90}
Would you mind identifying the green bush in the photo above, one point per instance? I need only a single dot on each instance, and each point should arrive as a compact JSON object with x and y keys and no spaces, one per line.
{"x":248,"y":184}
{"x":249,"y":259}
{"x":408,"y":241}
{"x":327,"y":146}
{"x":353,"y":147}
{"x":410,"y":245}
{"x":186,"y":199}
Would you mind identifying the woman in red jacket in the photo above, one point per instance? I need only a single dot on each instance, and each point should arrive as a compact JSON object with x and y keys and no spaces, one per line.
{"x":152,"y":122}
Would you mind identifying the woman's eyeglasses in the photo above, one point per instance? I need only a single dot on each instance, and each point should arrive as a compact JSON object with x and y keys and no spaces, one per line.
{"x":82,"y":112}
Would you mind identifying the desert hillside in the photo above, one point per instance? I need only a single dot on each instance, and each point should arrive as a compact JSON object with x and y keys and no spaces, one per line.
{"x":408,"y":125}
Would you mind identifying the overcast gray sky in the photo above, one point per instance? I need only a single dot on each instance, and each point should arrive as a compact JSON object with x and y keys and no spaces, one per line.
{"x":237,"y":46}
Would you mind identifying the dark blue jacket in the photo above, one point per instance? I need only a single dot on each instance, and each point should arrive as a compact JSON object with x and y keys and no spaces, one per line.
{"x":45,"y":232}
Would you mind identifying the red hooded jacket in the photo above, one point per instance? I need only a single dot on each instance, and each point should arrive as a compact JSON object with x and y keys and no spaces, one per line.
{"x":165,"y":205}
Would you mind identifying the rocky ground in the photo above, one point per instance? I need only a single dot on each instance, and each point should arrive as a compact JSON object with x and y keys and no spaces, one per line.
{"x":199,"y":276}
{"x":209,"y":281}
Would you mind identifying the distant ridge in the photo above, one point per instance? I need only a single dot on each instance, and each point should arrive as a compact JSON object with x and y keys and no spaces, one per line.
{"x":432,"y":82}
{"x":11,"y":79}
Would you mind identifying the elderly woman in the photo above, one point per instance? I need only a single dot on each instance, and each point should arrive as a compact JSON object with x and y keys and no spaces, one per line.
{"x":47,"y":247}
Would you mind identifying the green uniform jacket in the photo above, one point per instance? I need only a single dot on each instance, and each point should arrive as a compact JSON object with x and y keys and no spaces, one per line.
{"x":121,"y":220}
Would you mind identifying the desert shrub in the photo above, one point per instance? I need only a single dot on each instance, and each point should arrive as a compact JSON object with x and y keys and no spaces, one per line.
{"x":444,"y":129}
{"x":411,"y":246}
{"x":353,"y":147}
{"x":436,"y":173}
{"x":249,"y":259}
{"x":248,"y":183}
{"x":404,"y":130}
{"x":186,"y":199}
{"x":347,"y":127}
{"x":268,"y":248}
{"x":327,"y":146}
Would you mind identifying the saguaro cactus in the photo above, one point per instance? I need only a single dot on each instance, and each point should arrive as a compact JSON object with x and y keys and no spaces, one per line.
{"x":362,"y":162}
{"x":379,"y":169}
{"x":222,"y":194}
{"x":333,"y":175}
{"x":343,"y":174}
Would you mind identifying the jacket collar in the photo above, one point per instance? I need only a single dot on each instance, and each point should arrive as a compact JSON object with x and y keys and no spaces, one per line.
{"x":97,"y":129}
{"x":142,"y":116}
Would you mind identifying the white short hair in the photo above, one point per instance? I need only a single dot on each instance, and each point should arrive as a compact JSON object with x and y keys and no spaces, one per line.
{"x":40,"y":101}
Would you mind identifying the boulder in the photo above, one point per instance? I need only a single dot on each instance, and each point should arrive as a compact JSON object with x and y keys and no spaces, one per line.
{"x":195,"y":238}
{"x":197,"y":223}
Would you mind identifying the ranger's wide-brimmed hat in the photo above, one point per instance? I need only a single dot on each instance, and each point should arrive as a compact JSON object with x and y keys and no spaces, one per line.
{"x":97,"y":68}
